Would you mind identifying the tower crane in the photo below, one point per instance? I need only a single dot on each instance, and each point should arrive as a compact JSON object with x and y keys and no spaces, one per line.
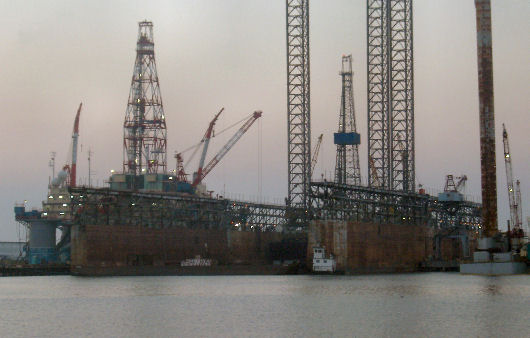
{"x":315,"y":153}
{"x":451,"y":186}
{"x":514,"y":200}
{"x":215,"y":160}
{"x":453,"y":192}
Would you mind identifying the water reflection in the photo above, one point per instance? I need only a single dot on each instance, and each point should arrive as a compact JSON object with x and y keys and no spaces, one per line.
{"x":433,"y":304}
{"x":491,"y":289}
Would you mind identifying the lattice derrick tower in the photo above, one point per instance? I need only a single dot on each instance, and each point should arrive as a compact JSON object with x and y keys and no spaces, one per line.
{"x":145,"y":135}
{"x":298,"y":103}
{"x":347,"y":170}
{"x":390,"y":94}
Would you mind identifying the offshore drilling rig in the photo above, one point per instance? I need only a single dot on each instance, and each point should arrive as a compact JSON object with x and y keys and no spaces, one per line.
{"x":152,"y":218}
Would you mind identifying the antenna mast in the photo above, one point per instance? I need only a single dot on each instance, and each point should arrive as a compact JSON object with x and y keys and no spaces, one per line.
{"x":51,"y":164}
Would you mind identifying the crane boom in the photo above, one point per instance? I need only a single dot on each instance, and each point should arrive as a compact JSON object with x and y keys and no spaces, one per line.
{"x":519,"y":206}
{"x":461,"y":183}
{"x":509,"y":179}
{"x":198,"y":179}
{"x":75,"y":136}
{"x":315,"y":154}
{"x":206,"y":141}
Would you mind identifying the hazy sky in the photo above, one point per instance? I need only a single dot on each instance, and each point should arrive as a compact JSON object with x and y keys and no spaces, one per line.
{"x":231,"y":53}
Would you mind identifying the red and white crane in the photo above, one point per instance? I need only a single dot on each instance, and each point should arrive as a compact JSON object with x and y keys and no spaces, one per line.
{"x":75,"y":137}
{"x":203,"y":171}
{"x":68,"y":174}
{"x":206,"y":142}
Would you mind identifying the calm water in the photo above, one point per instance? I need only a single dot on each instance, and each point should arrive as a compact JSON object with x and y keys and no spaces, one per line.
{"x":433,"y":305}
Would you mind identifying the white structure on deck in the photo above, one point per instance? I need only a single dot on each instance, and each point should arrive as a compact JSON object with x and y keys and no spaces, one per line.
{"x":492,"y":264}
{"x":197,"y":261}
{"x":320,"y":262}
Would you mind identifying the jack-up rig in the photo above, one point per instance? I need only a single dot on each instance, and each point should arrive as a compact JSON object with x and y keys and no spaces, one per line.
{"x":390,"y":196}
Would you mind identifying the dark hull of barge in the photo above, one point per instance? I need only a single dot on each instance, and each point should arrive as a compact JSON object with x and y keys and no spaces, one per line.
{"x":114,"y":250}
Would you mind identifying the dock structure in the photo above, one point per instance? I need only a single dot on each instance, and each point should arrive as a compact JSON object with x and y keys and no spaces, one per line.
{"x":151,"y":216}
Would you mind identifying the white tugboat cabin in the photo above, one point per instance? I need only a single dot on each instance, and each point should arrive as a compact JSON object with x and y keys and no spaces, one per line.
{"x":321,"y":263}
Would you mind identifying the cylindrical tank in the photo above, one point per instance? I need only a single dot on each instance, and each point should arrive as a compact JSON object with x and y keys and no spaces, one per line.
{"x":42,"y":234}
{"x":61,"y":177}
{"x":42,"y":242}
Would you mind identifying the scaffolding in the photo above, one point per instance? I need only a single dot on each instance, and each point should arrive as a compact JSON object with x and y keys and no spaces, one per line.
{"x":165,"y":210}
{"x":298,"y":103}
{"x":91,"y":206}
{"x":390,"y":94}
{"x":375,"y":205}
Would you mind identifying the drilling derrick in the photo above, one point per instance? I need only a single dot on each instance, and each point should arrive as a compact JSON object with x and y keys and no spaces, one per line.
{"x":347,"y":169}
{"x":486,"y":118}
{"x":390,"y":94}
{"x":144,"y":139}
{"x":298,"y":103}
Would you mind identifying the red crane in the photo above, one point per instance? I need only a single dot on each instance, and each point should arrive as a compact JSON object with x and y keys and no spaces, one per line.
{"x":75,"y":136}
{"x":71,"y":168}
{"x":206,"y":141}
{"x":202,"y":172}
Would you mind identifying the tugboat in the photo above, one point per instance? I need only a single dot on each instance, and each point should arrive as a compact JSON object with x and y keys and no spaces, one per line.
{"x":321,"y":264}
